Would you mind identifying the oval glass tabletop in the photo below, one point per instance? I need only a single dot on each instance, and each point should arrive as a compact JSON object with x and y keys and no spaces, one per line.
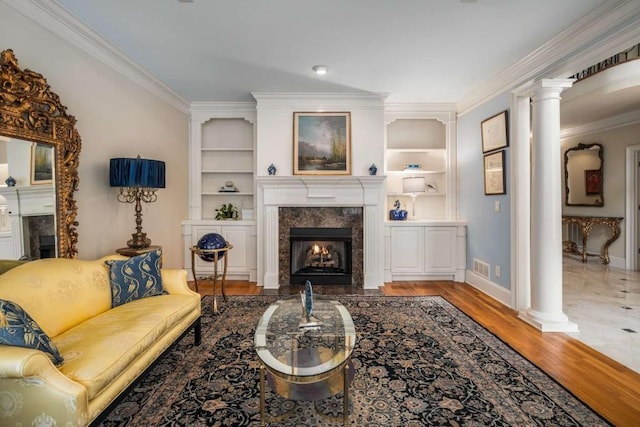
{"x":290,"y":344}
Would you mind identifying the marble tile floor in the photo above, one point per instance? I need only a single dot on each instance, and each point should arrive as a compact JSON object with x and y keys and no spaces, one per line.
{"x":605,"y":303}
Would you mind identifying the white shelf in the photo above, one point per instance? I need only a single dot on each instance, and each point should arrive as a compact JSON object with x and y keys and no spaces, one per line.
{"x":226,"y":193}
{"x":227,"y":171}
{"x":409,"y":172}
{"x":205,"y":149}
{"x":426,"y":194}
{"x":415,"y":150}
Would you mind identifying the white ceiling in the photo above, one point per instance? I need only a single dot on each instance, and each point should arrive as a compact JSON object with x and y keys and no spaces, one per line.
{"x":432,"y":51}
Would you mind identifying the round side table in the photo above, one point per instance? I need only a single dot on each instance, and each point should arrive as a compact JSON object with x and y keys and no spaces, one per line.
{"x":217,"y":255}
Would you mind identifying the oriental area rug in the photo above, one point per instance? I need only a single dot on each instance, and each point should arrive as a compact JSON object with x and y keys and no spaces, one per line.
{"x":419,"y":361}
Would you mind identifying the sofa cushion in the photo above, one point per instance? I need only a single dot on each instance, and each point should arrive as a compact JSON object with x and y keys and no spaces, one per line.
{"x":17,"y":328}
{"x":100,"y":349}
{"x":135,"y":278}
{"x":58,"y":293}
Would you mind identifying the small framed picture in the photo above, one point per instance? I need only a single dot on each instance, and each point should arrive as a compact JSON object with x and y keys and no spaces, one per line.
{"x":495,"y":132}
{"x":494,"y":177}
{"x":41,"y":164}
{"x":593,"y":182}
{"x":322,"y":143}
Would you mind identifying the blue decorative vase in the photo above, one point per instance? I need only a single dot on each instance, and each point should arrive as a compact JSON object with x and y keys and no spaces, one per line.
{"x":11,"y":181}
{"x":308,"y":298}
{"x":373,"y":169}
{"x":397,"y":215}
{"x":271,"y":169}
{"x":211,"y":241}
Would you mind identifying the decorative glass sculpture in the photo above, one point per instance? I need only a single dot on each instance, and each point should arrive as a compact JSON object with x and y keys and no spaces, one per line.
{"x":211,"y":241}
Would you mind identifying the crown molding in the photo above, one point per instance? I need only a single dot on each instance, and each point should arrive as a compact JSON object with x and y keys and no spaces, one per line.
{"x":53,"y":17}
{"x":621,"y":120}
{"x":607,"y":29}
{"x":316,"y":101}
{"x":202,"y":112}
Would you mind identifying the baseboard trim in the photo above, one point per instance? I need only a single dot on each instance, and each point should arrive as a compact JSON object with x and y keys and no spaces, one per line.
{"x":485,"y":286}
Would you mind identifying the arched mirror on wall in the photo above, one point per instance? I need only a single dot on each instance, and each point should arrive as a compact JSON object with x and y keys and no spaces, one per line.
{"x":583,"y":183}
{"x":39,"y":148}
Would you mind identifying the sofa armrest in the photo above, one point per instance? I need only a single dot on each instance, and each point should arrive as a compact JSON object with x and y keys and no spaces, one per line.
{"x":174,"y":281}
{"x":35,"y":391}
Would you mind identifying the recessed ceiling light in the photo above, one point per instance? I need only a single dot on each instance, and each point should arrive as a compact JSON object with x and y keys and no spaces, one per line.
{"x":320,"y":69}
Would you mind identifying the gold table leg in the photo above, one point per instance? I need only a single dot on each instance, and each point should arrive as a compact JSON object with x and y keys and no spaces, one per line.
{"x":262,"y":420}
{"x":345,"y":398}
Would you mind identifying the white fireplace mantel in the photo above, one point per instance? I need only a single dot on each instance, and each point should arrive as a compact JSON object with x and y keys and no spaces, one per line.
{"x":308,"y":191}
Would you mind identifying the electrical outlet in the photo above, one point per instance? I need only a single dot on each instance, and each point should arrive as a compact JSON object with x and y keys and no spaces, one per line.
{"x":497,"y":271}
{"x":496,"y":206}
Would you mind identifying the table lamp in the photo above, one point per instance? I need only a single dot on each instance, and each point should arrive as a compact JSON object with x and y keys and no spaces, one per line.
{"x":413,"y":185}
{"x":138,"y":180}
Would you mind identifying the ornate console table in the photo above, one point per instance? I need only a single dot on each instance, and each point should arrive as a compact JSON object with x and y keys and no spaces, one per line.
{"x":585,"y":224}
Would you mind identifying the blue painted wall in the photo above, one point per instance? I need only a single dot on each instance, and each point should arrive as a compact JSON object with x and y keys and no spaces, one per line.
{"x":488,"y":232}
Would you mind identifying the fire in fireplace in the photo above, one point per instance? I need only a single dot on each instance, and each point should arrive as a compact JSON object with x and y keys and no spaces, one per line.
{"x":321,"y":255}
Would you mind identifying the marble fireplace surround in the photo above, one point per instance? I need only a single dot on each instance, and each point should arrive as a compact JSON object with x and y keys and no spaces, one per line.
{"x":314,"y":217}
{"x":366,"y":192}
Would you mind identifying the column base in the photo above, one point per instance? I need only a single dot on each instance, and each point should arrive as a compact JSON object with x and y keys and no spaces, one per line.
{"x":548,"y":323}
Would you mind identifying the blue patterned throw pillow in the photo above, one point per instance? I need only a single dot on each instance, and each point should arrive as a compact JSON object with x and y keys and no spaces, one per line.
{"x":135,"y":278}
{"x":17,"y":328}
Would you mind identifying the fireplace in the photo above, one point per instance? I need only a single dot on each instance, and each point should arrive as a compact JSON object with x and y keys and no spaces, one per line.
{"x":39,"y":236}
{"x":339,"y":227}
{"x":355,"y":202}
{"x":321,"y":255}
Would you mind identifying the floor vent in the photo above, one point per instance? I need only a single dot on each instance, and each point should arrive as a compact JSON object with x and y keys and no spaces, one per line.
{"x":481,"y":267}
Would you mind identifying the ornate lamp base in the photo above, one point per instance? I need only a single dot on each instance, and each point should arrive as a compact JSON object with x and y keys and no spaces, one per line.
{"x":139,"y":241}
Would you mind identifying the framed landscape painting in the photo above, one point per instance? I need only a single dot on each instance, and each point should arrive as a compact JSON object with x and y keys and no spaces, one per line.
{"x":322,"y":143}
{"x":41,"y":164}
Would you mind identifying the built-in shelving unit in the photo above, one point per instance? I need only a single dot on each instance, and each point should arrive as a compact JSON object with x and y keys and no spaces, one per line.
{"x":226,"y":156}
{"x":222,"y":144}
{"x":421,"y":143}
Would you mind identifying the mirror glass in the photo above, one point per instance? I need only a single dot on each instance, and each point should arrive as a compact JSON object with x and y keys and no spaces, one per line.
{"x":27,"y":221}
{"x":39,"y":149}
{"x":583,"y":175}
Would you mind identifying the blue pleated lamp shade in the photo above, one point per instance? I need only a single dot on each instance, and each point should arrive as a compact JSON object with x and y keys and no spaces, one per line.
{"x":129,"y":172}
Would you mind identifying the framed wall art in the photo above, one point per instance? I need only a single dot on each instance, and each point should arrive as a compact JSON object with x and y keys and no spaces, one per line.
{"x":495,"y":134}
{"x":494,"y":177}
{"x":593,"y":182}
{"x":322,"y":143}
{"x":41,"y":164}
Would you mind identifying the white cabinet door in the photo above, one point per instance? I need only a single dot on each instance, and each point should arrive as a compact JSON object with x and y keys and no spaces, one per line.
{"x":407,"y":250}
{"x":241,"y":263}
{"x":238,"y":237}
{"x":439,"y":250}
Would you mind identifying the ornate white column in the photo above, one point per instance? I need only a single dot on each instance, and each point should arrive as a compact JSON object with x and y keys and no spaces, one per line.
{"x":546,"y":312}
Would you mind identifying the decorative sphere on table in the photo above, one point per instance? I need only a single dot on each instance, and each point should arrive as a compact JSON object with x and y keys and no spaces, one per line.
{"x":211,"y":241}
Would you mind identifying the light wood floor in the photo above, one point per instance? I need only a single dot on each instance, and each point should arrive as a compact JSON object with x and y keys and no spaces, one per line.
{"x":608,"y":387}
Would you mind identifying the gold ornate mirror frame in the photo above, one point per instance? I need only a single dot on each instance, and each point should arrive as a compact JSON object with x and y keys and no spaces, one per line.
{"x":31,"y":111}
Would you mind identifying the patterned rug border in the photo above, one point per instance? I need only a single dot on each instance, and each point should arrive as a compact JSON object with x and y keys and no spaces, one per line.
{"x":518,"y":353}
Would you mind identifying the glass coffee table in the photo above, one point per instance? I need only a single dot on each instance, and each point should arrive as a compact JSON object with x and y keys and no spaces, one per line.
{"x":305,"y":360}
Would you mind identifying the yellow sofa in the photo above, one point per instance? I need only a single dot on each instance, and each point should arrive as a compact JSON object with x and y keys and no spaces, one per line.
{"x":104,"y":349}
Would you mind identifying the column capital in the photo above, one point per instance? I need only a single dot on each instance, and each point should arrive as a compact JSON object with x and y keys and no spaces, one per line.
{"x":549,"y":88}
